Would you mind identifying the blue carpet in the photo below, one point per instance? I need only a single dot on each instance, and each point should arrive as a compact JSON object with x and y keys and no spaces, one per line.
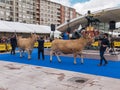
{"x":89,"y":66}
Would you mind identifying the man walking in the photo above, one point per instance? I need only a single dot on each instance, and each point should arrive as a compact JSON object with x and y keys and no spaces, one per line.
{"x":103,"y":46}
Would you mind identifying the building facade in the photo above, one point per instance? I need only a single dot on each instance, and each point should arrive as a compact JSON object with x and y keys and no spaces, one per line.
{"x":42,"y":12}
{"x":17,"y":10}
{"x":49,"y":13}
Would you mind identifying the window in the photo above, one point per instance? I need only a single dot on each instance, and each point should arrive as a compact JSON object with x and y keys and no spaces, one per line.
{"x":3,"y":1}
{"x":2,"y":12}
{"x":7,"y":13}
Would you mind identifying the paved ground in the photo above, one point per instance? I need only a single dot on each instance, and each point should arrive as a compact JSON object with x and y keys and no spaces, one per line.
{"x":14,"y":76}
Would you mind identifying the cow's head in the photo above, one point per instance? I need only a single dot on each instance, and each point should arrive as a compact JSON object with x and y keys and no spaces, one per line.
{"x":90,"y":35}
{"x":34,"y":36}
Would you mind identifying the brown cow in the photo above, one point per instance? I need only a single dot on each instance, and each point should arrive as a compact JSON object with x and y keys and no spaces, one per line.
{"x":26,"y":44}
{"x":74,"y":47}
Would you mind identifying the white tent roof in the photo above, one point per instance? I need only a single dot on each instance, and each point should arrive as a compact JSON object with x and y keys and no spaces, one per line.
{"x":6,"y":26}
{"x":17,"y":27}
{"x":38,"y":28}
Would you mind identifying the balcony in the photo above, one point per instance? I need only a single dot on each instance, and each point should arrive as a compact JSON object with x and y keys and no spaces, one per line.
{"x":9,"y":18}
{"x":16,"y":4}
{"x":58,"y":9}
{"x":37,"y":16}
{"x":37,"y":12}
{"x":58,"y":21}
{"x":11,"y":14}
{"x":38,"y":1}
{"x":37,"y":19}
{"x":37,"y":9}
{"x":11,"y":2}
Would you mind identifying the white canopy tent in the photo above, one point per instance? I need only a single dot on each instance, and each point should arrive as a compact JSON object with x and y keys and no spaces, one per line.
{"x":6,"y":26}
{"x":17,"y":27}
{"x":38,"y":28}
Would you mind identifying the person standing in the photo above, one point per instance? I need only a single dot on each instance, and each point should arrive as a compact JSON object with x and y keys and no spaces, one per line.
{"x":13,"y":42}
{"x":41,"y":48}
{"x":103,"y":47}
{"x":65,"y":36}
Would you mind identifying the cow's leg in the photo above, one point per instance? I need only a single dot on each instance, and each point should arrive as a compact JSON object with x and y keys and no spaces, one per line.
{"x":59,"y":60}
{"x":21,"y":53}
{"x":75,"y":55}
{"x":82,"y":60}
{"x":29,"y":54}
{"x":51,"y":53}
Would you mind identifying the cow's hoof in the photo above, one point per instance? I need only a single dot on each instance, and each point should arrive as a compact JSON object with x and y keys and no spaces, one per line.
{"x":59,"y":61}
{"x":50,"y":61}
{"x":75,"y":63}
{"x":29,"y":58}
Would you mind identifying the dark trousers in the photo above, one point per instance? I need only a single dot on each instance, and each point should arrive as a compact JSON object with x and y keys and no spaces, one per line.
{"x":13,"y":50}
{"x":41,"y":51}
{"x":102,"y":57}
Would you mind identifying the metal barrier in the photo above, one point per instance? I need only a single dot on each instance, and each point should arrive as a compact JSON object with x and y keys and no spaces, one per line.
{"x":46,"y":44}
{"x":95,"y":44}
{"x":115,"y":43}
{"x":7,"y":47}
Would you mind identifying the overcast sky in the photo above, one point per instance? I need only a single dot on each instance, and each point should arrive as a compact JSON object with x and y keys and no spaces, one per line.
{"x":82,"y":6}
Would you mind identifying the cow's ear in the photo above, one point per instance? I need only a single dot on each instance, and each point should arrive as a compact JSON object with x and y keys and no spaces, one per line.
{"x":83,"y":33}
{"x":96,"y":33}
{"x":31,"y":33}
